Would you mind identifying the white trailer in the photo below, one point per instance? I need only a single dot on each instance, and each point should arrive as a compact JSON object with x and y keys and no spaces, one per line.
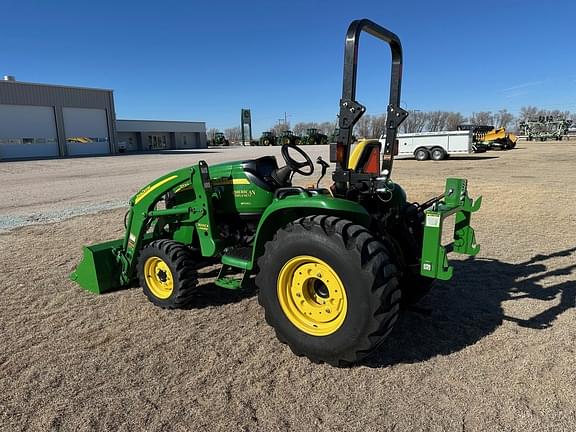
{"x":434,"y":145}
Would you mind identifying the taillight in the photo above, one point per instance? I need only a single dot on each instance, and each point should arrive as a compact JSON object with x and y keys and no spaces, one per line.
{"x":340,"y":154}
{"x":372,"y":165}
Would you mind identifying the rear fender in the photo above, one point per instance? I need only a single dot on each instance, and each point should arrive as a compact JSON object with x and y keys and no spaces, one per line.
{"x":285,"y":210}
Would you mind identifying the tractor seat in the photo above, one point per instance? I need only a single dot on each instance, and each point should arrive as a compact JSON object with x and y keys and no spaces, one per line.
{"x":259,"y":171}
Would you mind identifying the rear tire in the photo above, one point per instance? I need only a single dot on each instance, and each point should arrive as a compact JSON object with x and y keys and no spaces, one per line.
{"x":167,"y":273}
{"x":407,"y":247}
{"x":421,"y":154}
{"x":369,"y":297}
{"x":437,"y":154}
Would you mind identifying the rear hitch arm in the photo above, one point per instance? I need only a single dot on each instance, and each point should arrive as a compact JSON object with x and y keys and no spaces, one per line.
{"x":434,"y":260}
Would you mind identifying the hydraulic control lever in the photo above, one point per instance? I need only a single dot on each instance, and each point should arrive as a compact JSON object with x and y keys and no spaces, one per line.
{"x":324,"y":166}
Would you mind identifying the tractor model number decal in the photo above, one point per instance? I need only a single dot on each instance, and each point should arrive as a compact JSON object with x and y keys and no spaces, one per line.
{"x":427,"y":267}
{"x":433,"y":220}
{"x":202,"y":226}
{"x":244,"y":193}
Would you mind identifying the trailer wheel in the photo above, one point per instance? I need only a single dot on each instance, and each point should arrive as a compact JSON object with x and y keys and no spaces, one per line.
{"x":437,"y":154}
{"x":328,"y":289}
{"x":421,"y":154}
{"x":167,"y":273}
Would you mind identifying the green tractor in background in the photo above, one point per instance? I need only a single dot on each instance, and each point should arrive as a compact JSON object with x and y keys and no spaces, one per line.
{"x":332,"y":265}
{"x":288,"y":137}
{"x":267,"y":139}
{"x":220,"y":140}
{"x":313,"y":137}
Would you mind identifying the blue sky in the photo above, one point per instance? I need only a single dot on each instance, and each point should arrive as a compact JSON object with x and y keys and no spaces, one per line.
{"x":204,"y":61}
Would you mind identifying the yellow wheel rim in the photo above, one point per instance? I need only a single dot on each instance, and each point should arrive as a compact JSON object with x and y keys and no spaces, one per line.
{"x":158,"y":277}
{"x":312,"y":296}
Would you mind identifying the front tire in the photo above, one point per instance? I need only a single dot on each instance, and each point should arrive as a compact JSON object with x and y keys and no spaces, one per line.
{"x":328,"y":289}
{"x":167,"y":273}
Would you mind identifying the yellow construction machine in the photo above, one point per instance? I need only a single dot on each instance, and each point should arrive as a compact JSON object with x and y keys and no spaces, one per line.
{"x":500,"y":138}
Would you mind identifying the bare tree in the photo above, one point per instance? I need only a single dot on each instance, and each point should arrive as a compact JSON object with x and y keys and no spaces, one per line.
{"x":482,"y":118}
{"x":437,"y":121}
{"x":415,"y":122}
{"x":453,"y":119}
{"x":502,"y":119}
{"x":363,"y":126}
{"x":527,"y":113}
{"x":233,"y":134}
{"x":278,"y":128}
{"x":211,"y":133}
{"x":300,"y":128}
{"x":327,"y":128}
{"x":378,"y":126}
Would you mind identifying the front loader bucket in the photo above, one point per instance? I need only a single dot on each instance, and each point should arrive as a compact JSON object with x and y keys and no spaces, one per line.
{"x":99,"y":271}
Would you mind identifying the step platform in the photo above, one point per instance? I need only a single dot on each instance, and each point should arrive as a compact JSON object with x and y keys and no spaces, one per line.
{"x":232,"y":260}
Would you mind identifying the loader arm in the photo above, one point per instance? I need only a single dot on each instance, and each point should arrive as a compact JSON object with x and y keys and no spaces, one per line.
{"x":111,"y":265}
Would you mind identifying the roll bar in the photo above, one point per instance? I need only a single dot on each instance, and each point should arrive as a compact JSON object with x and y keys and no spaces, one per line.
{"x":351,"y":110}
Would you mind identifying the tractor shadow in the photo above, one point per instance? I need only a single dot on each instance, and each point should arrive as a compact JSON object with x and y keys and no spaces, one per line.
{"x":209,"y":294}
{"x":470,"y":308}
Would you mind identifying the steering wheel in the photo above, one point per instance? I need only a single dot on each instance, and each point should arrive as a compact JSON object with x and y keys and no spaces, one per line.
{"x":295,"y":165}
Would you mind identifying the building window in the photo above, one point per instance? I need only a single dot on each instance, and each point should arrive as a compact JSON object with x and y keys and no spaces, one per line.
{"x":156,"y":142}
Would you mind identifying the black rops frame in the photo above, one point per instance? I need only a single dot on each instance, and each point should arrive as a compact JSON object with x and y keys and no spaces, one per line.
{"x":351,"y":110}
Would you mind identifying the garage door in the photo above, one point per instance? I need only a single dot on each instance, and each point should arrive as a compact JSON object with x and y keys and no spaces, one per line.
{"x":86,"y":131}
{"x":27,"y":132}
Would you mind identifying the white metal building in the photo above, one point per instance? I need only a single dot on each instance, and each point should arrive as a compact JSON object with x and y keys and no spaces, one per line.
{"x":143,"y":135}
{"x":38,"y":120}
{"x":41,"y":121}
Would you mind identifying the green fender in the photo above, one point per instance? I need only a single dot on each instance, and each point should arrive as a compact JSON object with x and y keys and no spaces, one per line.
{"x":285,"y":210}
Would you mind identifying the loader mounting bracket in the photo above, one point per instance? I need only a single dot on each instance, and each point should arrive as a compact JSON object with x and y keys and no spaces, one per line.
{"x":434,"y":260}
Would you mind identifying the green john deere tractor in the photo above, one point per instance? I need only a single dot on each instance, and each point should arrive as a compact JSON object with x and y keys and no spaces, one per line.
{"x":332,"y":265}
{"x":220,"y":140}
{"x":288,"y":137}
{"x":267,"y":139}
{"x":314,"y":136}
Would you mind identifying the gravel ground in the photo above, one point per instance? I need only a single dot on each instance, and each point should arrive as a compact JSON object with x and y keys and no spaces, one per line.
{"x":493,"y":349}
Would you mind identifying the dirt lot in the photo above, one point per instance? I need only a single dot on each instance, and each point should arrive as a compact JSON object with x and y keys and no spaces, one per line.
{"x":496,"y":352}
